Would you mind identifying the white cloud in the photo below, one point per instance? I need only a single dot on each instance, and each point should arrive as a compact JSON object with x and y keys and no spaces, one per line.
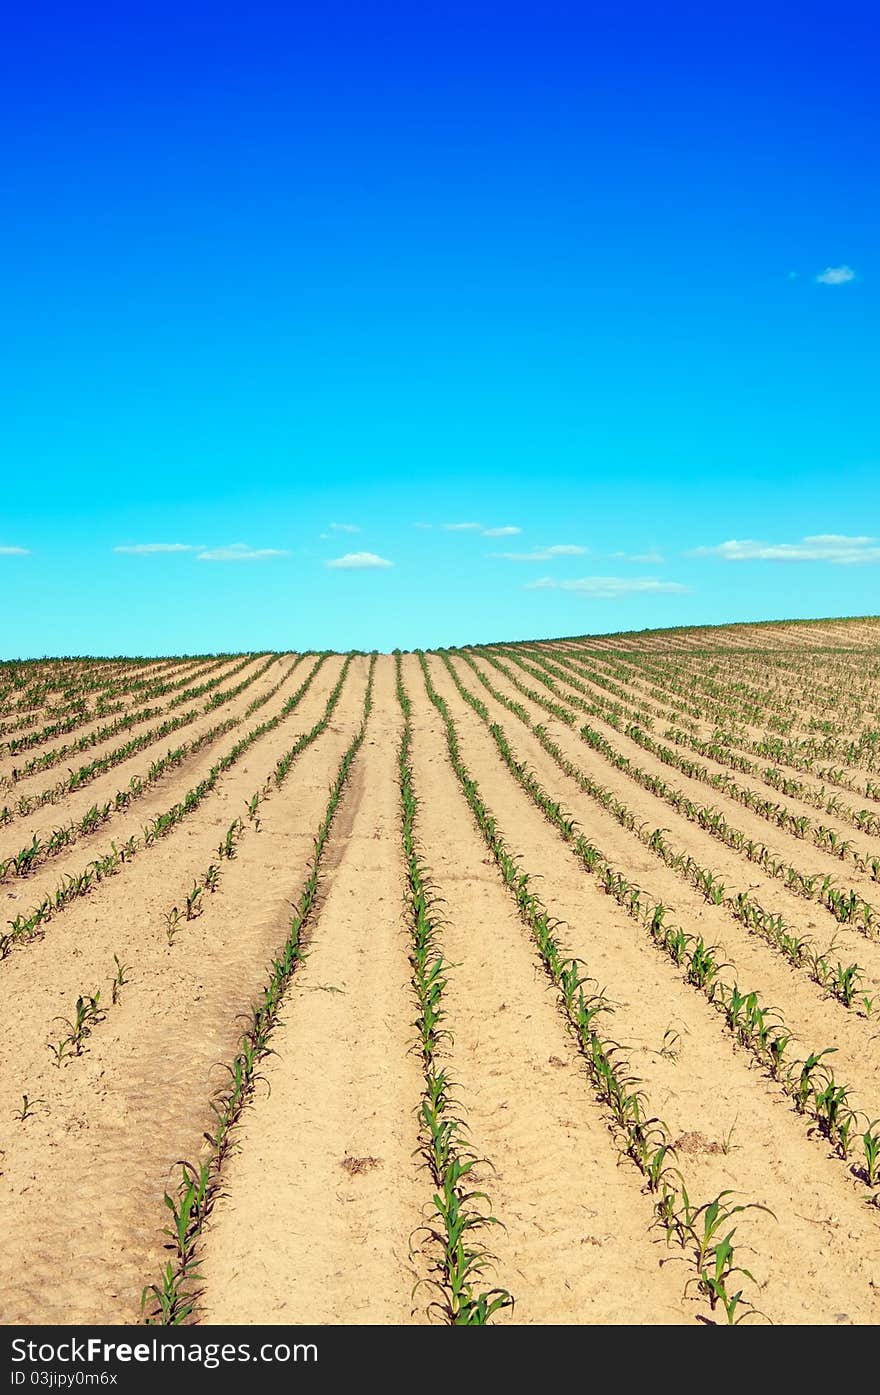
{"x":240,"y":552}
{"x":649,"y":559}
{"x":608,"y":587}
{"x":543,"y":554}
{"x":344,"y":528}
{"x":15,"y":552}
{"x":836,"y":276}
{"x":508,"y":530}
{"x":358,"y":561}
{"x":836,"y":548}
{"x":142,"y":549}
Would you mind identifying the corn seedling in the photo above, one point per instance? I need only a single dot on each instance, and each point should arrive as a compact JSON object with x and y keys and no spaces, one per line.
{"x":27,"y":1108}
{"x":119,"y":979}
{"x":871,"y":1146}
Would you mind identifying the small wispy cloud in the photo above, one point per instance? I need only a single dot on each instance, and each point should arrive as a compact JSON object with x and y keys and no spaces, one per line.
{"x":836,"y":276}
{"x":240,"y":552}
{"x":344,"y":528}
{"x":358,"y":561}
{"x":506,"y":530}
{"x":609,"y":587}
{"x":649,"y":559}
{"x":836,"y":548}
{"x":543,"y":554}
{"x":144,"y":549}
{"x":15,"y":552}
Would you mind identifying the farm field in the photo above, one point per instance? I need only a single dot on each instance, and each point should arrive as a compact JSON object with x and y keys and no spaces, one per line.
{"x":519,"y":983}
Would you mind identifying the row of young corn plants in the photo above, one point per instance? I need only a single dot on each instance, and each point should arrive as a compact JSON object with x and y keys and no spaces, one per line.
{"x":865,"y":820}
{"x":64,"y":726}
{"x":797,"y":824}
{"x":784,"y":685}
{"x":576,"y":670}
{"x":125,"y":723}
{"x":724,"y":716}
{"x":809,"y":1082}
{"x":721,"y":707}
{"x":77,"y":779}
{"x":460,"y":1214}
{"x":216,"y":699}
{"x":113,"y":698}
{"x":847,"y":907}
{"x":194,"y":901}
{"x":172,"y":1299}
{"x":39,"y":850}
{"x":29,"y":924}
{"x":680,"y":699}
{"x":573,"y":672}
{"x":622,"y":697}
{"x":699,"y":1229}
{"x":45,"y":760}
{"x":721,"y":748}
{"x":733,"y":700}
{"x":801,"y":754}
{"x":751,"y":674}
{"x":75,"y":683}
{"x":845,"y":982}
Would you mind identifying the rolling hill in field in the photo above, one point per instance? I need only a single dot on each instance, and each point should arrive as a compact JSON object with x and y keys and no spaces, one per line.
{"x":579,"y":936}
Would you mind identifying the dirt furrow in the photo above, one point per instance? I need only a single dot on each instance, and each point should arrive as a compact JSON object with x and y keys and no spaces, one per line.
{"x":134,"y":768}
{"x":747,"y":739}
{"x":336,"y":1127}
{"x":77,"y":951}
{"x":22,"y":894}
{"x":32,"y":786}
{"x":576,"y":1242}
{"x":91,"y":722}
{"x":84,"y":1175}
{"x":737,"y":872}
{"x":816,"y":1019}
{"x":819,"y":1257}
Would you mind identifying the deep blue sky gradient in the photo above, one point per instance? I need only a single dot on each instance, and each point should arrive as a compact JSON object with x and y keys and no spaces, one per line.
{"x":265,"y":268}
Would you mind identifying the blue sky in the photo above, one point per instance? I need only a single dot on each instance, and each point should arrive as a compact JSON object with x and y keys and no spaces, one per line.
{"x":544,"y":268}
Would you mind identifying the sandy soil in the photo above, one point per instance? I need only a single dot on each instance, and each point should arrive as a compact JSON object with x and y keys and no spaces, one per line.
{"x":193,"y":674}
{"x":326,"y":1187}
{"x":165,"y":707}
{"x":22,"y":893}
{"x":335,"y":1128}
{"x":576,"y":1231}
{"x":84,"y":1175}
{"x":41,"y":821}
{"x":773,"y":1161}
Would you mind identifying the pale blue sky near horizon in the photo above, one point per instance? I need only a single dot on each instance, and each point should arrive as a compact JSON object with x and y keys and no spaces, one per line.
{"x":287,"y":295}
